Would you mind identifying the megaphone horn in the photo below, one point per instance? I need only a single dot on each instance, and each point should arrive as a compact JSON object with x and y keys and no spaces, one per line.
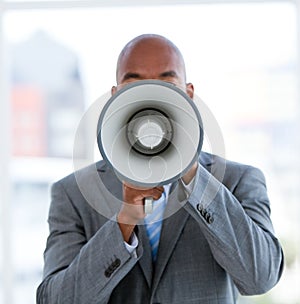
{"x":150,"y":132}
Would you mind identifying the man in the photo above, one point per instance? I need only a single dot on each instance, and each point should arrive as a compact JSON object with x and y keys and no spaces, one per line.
{"x":218,"y":244}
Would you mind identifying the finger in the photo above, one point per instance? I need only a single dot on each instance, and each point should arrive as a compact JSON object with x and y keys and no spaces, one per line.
{"x":137,"y":195}
{"x":155,"y":193}
{"x":160,"y":188}
{"x":129,"y":186}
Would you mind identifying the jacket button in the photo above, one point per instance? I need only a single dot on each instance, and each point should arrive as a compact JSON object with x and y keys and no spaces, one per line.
{"x":200,"y":208}
{"x":116,"y":263}
{"x":203,"y":213}
{"x":112,"y":267}
{"x":107,"y":273}
{"x":209,"y":218}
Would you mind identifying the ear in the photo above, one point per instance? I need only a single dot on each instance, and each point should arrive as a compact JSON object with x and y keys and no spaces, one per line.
{"x":113,"y":90}
{"x":190,"y":89}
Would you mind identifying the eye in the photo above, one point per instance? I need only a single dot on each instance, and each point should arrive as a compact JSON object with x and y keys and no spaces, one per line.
{"x":130,"y":75}
{"x":169,"y":74}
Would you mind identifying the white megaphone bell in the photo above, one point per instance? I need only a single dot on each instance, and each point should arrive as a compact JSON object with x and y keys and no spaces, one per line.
{"x":150,"y":132}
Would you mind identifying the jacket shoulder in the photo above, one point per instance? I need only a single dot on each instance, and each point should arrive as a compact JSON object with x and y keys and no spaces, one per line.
{"x":227,"y":171}
{"x":83,"y":173}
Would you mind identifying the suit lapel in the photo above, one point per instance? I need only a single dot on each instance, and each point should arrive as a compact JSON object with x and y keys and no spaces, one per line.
{"x":109,"y":180}
{"x":145,"y":261}
{"x":176,"y":217}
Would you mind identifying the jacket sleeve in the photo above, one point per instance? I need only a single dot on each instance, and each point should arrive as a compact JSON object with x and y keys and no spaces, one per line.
{"x":238,"y":228}
{"x":78,"y":270}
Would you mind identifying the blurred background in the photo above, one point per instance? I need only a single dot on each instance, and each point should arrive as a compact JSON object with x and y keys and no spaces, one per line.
{"x":58,"y":57}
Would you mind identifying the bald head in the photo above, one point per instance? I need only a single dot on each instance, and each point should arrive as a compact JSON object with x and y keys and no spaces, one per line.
{"x":150,"y":56}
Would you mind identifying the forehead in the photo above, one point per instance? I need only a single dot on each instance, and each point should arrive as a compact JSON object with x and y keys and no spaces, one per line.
{"x":150,"y":54}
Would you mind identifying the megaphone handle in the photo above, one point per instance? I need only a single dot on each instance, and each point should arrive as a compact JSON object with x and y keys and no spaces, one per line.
{"x":148,"y":205}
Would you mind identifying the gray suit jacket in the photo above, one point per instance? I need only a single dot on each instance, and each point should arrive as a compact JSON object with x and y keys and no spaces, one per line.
{"x":214,"y":244}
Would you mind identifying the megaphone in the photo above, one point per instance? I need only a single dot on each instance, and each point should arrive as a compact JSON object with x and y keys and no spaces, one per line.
{"x":150,"y":132}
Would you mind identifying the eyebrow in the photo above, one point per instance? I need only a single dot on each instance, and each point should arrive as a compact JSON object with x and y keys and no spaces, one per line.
{"x":169,"y":74}
{"x":166,"y":74}
{"x":131,"y":75}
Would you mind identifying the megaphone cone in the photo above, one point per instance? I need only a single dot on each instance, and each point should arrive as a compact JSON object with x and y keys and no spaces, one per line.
{"x":150,"y":132}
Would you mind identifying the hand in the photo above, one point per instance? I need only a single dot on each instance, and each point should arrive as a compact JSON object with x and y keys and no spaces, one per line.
{"x":132,"y":210}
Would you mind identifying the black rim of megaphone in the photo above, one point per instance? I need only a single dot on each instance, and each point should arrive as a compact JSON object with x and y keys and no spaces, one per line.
{"x":140,"y":83}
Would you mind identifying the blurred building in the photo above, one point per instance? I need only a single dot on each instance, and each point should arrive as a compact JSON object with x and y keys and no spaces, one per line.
{"x":46,"y":97}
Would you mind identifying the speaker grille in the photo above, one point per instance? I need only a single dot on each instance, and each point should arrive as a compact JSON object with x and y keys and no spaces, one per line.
{"x":149,"y":131}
